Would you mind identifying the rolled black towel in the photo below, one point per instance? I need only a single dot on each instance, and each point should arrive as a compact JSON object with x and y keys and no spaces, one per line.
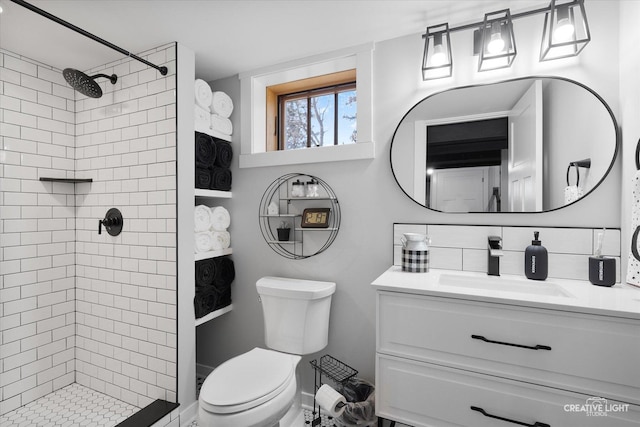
{"x":206,"y":272}
{"x":220,"y":179}
{"x":223,"y":299}
{"x":206,"y":301}
{"x":203,"y":178}
{"x":224,"y":153}
{"x":225,"y":273}
{"x":205,"y":150}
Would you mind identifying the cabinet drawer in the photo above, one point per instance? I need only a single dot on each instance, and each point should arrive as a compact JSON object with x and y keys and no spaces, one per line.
{"x":422,"y":394}
{"x":595,"y":355}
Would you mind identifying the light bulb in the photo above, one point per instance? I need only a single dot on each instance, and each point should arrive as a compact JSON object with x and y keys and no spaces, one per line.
{"x":564,"y":31}
{"x":496,"y":44}
{"x":439,"y":57}
{"x":430,"y":171}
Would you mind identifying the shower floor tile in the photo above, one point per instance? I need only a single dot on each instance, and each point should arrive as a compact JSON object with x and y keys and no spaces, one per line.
{"x":71,"y":406}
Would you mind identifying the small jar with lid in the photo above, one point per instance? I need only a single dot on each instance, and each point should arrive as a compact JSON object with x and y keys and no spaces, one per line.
{"x":312,"y":188}
{"x":297,"y":189}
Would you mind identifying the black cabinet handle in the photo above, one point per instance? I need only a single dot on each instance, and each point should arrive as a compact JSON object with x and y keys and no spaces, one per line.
{"x":520,"y":423}
{"x":537,"y":347}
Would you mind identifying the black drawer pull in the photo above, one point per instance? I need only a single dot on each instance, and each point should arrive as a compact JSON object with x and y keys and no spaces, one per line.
{"x":537,"y":347}
{"x":520,"y":423}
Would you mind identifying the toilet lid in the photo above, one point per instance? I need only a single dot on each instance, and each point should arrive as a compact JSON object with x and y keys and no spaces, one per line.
{"x":246,"y":381}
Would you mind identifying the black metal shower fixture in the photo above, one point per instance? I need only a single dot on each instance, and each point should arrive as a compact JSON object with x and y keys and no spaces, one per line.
{"x":84,"y":84}
{"x":163,"y":70}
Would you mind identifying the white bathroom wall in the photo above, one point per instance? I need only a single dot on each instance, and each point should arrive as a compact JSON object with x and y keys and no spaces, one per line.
{"x":630,"y":111}
{"x":126,"y":311}
{"x":371,"y":201}
{"x":37,"y":318}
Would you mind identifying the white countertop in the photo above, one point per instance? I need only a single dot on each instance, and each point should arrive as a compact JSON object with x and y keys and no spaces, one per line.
{"x":580,"y":296}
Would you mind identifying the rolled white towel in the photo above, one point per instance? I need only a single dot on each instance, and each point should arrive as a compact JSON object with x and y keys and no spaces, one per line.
{"x":221,"y":239}
{"x":221,"y":219}
{"x":221,"y":104}
{"x":203,"y":94}
{"x":202,"y":120}
{"x":221,"y":124}
{"x":202,"y":218}
{"x":204,"y":241}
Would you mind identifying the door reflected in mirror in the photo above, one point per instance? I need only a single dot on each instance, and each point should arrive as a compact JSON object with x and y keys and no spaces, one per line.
{"x":510,"y":146}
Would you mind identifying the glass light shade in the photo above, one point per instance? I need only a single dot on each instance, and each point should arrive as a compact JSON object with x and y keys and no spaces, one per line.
{"x":497,"y":41}
{"x":437,"y":61}
{"x":566,"y":30}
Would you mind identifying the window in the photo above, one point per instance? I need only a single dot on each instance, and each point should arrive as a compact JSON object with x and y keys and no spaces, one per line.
{"x":318,"y":118}
{"x":262,"y":88}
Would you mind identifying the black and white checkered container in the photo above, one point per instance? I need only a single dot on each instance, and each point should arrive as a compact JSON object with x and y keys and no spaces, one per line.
{"x":415,"y":261}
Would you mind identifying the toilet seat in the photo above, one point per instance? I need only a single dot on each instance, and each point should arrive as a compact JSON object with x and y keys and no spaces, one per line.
{"x":247,"y":380}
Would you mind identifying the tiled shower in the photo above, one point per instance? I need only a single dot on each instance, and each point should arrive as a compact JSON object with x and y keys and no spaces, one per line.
{"x":77,"y":306}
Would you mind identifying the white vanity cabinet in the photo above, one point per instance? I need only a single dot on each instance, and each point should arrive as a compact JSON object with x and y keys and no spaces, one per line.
{"x":455,"y":360}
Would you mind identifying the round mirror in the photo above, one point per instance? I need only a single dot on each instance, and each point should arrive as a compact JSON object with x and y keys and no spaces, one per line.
{"x":525,"y":145}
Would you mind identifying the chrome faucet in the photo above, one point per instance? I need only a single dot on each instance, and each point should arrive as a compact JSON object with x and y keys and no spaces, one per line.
{"x":494,"y":252}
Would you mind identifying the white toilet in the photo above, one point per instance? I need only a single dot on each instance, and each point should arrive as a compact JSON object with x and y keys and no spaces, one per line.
{"x":259,"y":388}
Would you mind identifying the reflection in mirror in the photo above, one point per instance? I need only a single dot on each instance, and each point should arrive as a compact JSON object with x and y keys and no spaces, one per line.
{"x":524,"y":145}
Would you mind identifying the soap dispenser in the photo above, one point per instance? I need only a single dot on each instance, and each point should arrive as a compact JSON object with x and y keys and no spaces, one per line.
{"x":536,"y":260}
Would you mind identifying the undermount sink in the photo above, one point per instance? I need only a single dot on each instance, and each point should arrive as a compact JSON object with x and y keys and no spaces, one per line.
{"x":503,"y":284}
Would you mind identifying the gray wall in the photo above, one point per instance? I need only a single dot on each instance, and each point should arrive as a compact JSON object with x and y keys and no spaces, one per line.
{"x":371,"y":200}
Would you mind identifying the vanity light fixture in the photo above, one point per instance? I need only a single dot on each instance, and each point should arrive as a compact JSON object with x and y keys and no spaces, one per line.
{"x":497,"y":41}
{"x":565,"y":33}
{"x":437,"y":61}
{"x":566,"y":30}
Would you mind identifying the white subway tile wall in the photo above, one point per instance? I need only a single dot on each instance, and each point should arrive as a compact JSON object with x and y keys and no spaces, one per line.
{"x":76,"y":306}
{"x":37,"y":232}
{"x":463,"y":247}
{"x":126,"y":344}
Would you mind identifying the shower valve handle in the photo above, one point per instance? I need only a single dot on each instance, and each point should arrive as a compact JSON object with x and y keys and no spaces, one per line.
{"x":107,"y":222}
{"x":112,"y":222}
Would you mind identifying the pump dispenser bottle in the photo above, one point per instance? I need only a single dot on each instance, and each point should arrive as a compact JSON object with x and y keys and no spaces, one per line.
{"x":536,"y":260}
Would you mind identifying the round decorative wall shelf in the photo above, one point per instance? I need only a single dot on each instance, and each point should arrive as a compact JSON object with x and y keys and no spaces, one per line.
{"x":283,"y":204}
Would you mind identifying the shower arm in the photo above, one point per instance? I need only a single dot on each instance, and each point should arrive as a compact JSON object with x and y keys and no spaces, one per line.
{"x":162,"y":70}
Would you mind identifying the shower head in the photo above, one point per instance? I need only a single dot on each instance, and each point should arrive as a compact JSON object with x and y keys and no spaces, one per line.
{"x":84,"y":84}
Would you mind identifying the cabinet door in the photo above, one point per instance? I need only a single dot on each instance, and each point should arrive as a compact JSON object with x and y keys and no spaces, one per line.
{"x":422,"y":394}
{"x":595,"y":355}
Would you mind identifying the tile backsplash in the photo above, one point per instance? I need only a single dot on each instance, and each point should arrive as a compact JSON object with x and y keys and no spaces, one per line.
{"x":464,"y":247}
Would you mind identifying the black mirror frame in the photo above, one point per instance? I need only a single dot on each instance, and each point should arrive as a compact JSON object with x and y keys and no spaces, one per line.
{"x":595,"y":94}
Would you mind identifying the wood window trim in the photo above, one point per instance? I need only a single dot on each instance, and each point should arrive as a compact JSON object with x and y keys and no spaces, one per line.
{"x":272,"y":93}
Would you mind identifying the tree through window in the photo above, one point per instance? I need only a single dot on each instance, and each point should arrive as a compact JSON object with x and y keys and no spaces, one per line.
{"x":318,"y":118}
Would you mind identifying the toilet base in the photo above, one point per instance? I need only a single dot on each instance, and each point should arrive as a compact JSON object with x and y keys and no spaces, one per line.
{"x":293,"y":418}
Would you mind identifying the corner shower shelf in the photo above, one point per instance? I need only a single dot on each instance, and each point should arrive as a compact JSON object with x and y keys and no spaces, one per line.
{"x":67,"y":180}
{"x":219,"y":312}
{"x":213,"y":254}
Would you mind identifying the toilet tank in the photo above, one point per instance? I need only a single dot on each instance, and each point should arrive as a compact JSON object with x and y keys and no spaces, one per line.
{"x":296,"y":313}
